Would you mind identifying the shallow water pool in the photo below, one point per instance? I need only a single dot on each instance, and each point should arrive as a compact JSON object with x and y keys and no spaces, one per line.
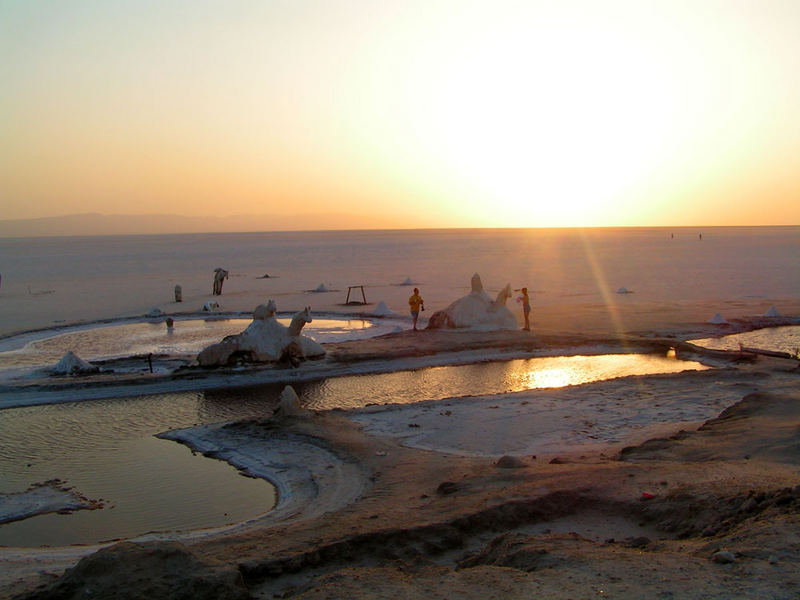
{"x":107,"y":449}
{"x":185,"y":339}
{"x":495,"y":377}
{"x":776,"y":339}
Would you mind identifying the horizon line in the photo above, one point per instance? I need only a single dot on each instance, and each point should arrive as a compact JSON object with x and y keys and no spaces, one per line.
{"x":695,"y":228}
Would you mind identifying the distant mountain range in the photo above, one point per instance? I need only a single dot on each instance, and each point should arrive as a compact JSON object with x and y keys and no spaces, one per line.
{"x":99,"y":224}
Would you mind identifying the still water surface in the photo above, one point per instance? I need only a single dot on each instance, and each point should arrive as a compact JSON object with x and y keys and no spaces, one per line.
{"x":107,"y":449}
{"x":185,"y":339}
{"x":777,"y":339}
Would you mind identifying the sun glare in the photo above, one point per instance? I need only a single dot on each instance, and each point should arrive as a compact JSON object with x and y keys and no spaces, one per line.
{"x":550,"y":378}
{"x":547,"y":128}
{"x":443,"y":113}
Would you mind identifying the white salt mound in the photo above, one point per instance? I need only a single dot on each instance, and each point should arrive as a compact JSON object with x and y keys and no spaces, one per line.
{"x":321,"y":288}
{"x":407,"y":281}
{"x":772,"y":312}
{"x":155,"y":312}
{"x":717,"y":319}
{"x":210,"y":306}
{"x":72,"y":364}
{"x":382,"y":310}
{"x":289,"y":404}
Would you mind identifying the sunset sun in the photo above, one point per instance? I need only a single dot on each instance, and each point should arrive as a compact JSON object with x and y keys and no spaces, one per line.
{"x":436,"y":114}
{"x":551,"y":129}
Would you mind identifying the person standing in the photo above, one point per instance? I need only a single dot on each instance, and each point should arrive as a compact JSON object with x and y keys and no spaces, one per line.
{"x":416,"y":303}
{"x":526,"y":308}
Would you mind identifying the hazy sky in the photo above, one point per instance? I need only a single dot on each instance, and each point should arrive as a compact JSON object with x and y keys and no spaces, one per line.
{"x":441,"y":113}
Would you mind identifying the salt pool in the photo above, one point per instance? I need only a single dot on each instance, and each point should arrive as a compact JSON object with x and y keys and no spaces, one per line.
{"x":776,"y":339}
{"x":21,"y":354}
{"x":107,"y":449}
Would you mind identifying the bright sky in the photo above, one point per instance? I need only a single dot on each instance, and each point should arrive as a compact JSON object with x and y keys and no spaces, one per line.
{"x":436,"y":112}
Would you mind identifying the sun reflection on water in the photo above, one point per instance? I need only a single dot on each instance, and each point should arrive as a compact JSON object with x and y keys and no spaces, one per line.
{"x":560,"y":371}
{"x":549,"y":378}
{"x":498,"y":377}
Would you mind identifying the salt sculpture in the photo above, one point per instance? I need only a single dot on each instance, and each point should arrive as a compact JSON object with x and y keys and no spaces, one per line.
{"x":72,"y":364}
{"x":321,"y":288}
{"x":220,"y":275}
{"x":264,"y":340}
{"x":289,"y":404}
{"x":772,"y":312}
{"x":476,"y":310}
{"x":718,"y":319}
{"x":265,"y":311}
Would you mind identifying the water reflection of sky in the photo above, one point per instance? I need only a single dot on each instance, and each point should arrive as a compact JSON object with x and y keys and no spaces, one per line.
{"x":106,"y":449}
{"x":486,"y":378}
{"x":777,"y":339}
{"x":187,"y":337}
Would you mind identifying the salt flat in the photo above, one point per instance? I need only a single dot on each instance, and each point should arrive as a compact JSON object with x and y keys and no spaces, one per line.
{"x":691,"y":478}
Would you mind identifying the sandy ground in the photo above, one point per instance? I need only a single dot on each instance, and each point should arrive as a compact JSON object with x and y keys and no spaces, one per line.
{"x":672,"y":486}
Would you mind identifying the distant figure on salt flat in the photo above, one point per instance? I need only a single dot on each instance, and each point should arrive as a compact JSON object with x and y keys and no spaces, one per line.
{"x":416,"y":303}
{"x":219,"y":276}
{"x":526,"y":308}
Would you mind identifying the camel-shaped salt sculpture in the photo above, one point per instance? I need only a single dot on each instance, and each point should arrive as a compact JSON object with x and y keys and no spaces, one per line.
{"x":476,"y":310}
{"x":264,"y":340}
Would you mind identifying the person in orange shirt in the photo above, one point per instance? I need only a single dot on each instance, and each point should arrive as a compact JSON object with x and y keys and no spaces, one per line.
{"x":416,"y":303}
